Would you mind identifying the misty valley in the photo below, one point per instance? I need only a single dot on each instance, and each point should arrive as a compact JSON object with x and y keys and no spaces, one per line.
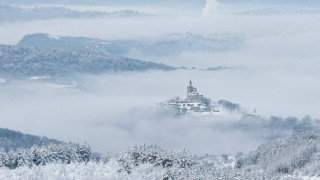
{"x":177,"y":89}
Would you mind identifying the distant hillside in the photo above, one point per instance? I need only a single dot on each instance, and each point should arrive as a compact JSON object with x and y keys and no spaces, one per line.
{"x":12,"y":13}
{"x":172,"y":44}
{"x":13,"y":140}
{"x":20,"y":62}
{"x":107,"y":2}
{"x":191,"y":3}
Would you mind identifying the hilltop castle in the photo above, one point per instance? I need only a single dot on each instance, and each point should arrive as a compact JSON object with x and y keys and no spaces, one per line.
{"x":192,"y":93}
{"x":195,"y":103}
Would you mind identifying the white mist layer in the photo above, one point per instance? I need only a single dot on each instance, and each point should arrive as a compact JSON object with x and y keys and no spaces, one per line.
{"x":276,"y":72}
{"x":116,"y":111}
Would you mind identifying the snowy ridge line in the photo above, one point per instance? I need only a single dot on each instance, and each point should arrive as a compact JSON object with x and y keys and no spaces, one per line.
{"x":12,"y":13}
{"x":12,"y":140}
{"x":171,"y":44}
{"x":25,"y":62}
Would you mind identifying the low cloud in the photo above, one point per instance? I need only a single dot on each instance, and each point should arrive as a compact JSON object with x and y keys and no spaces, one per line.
{"x":112,"y":112}
{"x":211,"y":8}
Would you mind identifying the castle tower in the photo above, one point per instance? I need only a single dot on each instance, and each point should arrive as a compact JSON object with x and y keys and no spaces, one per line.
{"x":189,"y":90}
{"x":192,"y":93}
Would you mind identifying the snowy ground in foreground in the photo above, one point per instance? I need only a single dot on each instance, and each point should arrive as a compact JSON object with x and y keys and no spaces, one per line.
{"x":109,"y":170}
{"x":61,"y":171}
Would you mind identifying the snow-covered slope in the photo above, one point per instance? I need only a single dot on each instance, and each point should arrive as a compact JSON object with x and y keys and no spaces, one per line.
{"x":20,"y":62}
{"x":13,"y":140}
{"x":298,"y":154}
{"x":172,"y":44}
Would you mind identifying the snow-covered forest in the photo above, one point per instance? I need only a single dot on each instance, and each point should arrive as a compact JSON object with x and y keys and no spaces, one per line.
{"x":26,"y":62}
{"x":297,"y":154}
{"x":12,"y":140}
{"x":171,"y":44}
{"x":291,"y":153}
{"x":289,"y":157}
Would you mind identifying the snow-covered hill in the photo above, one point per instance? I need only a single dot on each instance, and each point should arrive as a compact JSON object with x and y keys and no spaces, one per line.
{"x":13,"y":140}
{"x":298,"y":154}
{"x":172,"y":44}
{"x":21,"y":62}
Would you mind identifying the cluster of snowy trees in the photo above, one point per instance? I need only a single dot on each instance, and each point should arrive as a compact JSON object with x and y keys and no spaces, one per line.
{"x":229,"y":106}
{"x":155,"y":156}
{"x":156,"y":163}
{"x":141,"y":162}
{"x":296,"y":154}
{"x":64,"y":153}
{"x":276,"y":127}
{"x":18,"y":149}
{"x":11,"y":13}
{"x":20,"y":62}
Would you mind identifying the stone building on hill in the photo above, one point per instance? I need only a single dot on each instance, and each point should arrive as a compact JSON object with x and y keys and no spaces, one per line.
{"x":192,"y":93}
